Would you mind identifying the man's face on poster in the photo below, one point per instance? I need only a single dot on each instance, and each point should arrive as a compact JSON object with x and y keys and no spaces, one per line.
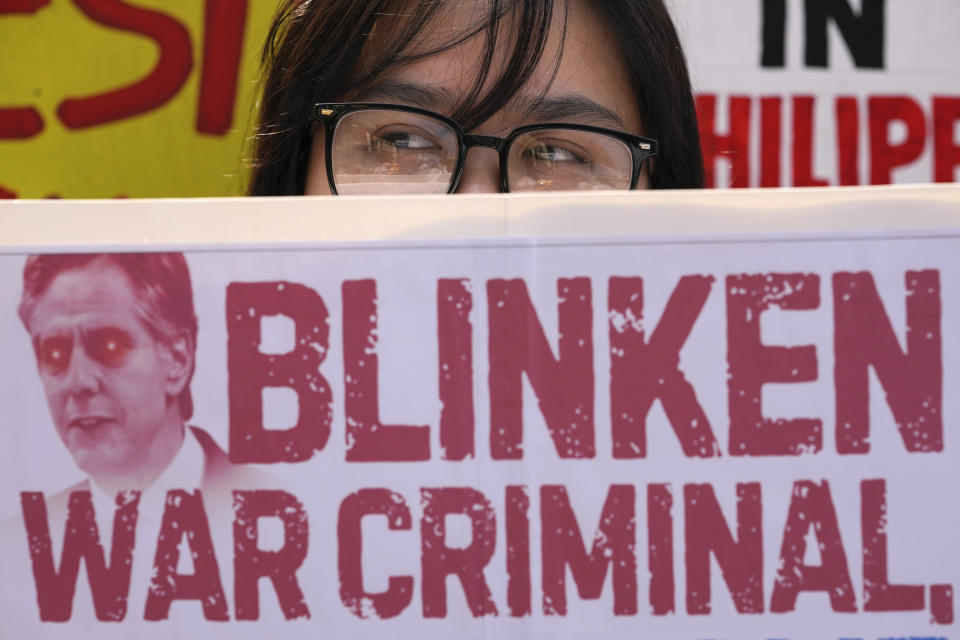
{"x":110,"y":384}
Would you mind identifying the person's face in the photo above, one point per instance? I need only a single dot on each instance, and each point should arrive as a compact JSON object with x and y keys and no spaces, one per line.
{"x":111,"y":387}
{"x":591,"y":86}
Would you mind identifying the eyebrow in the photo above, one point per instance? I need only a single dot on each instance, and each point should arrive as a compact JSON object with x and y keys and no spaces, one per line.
{"x":571,"y":107}
{"x":544,"y":109}
{"x":420,"y":95}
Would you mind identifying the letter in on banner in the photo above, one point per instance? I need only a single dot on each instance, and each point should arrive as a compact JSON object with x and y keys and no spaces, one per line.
{"x":252,"y":563}
{"x":752,"y":364}
{"x":368,"y":439}
{"x":912,"y":379}
{"x":156,"y":88}
{"x":438,"y":560}
{"x":741,"y":560}
{"x":660,"y":548}
{"x":109,"y":583}
{"x":613,"y":546}
{"x":355,"y":597}
{"x":643,"y":370}
{"x":184,"y":516}
{"x":564,"y":385}
{"x":455,"y":367}
{"x":811,"y":506}
{"x":250,"y":371}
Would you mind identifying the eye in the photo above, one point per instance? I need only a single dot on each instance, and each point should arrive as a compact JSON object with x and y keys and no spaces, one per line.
{"x":551,"y":152}
{"x":402,"y":139}
{"x":53,"y":354}
{"x":109,"y":346}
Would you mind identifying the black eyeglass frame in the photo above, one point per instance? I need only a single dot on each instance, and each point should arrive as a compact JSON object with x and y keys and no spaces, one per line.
{"x":330,"y":114}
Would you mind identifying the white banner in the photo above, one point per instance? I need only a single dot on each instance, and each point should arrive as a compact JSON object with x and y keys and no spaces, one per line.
{"x":677,"y":415}
{"x":825,"y":92}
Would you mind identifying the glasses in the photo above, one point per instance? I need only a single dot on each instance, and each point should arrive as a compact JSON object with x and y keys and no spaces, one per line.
{"x":393,"y":149}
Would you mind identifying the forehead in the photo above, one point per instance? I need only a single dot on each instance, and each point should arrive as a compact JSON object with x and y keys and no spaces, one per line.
{"x":99,"y":290}
{"x":581,"y":59}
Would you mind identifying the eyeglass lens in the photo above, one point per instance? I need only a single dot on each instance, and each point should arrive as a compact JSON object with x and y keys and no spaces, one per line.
{"x":384,"y":151}
{"x":381,"y":151}
{"x":568,"y":159}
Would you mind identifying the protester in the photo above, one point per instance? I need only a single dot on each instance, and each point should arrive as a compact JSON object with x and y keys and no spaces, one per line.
{"x":465,"y":76}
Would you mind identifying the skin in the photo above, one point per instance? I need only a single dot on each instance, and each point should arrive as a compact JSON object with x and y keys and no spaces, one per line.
{"x":111,"y":387}
{"x":591,"y":86}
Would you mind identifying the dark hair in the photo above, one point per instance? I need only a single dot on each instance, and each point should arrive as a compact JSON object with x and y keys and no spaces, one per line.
{"x":161,"y":283}
{"x":314,"y":46}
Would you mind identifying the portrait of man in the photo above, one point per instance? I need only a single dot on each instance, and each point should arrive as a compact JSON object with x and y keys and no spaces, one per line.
{"x":114,"y":337}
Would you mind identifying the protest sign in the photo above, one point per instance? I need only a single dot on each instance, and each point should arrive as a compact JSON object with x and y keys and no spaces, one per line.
{"x":671,"y":415}
{"x":825,"y":92}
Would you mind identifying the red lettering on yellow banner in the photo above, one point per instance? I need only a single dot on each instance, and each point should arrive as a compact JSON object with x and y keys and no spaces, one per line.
{"x":159,"y":86}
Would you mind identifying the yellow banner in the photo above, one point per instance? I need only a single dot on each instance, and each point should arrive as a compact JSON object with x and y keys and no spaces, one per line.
{"x":145,"y":98}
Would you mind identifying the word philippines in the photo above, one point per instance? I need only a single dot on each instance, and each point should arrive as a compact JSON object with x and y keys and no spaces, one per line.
{"x":655,"y":542}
